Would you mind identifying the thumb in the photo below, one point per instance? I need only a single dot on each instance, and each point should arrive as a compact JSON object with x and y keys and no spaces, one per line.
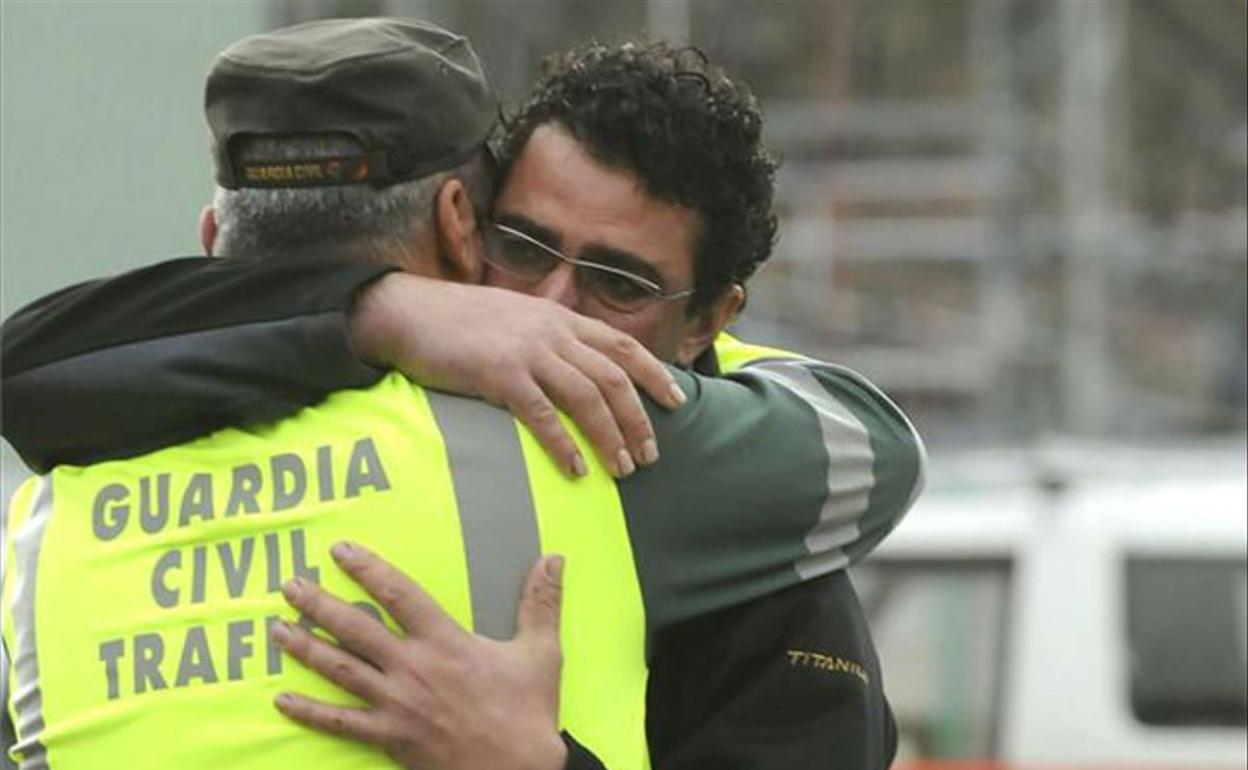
{"x":537,"y":619}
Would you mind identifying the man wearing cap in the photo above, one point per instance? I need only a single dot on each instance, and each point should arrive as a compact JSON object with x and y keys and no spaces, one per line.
{"x":270,"y":171}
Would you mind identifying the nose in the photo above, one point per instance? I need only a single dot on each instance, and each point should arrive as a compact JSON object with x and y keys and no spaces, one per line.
{"x":560,"y":286}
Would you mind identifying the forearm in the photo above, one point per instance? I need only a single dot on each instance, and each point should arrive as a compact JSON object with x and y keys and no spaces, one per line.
{"x":802,"y":468}
{"x":876,"y":459}
{"x":116,"y":367}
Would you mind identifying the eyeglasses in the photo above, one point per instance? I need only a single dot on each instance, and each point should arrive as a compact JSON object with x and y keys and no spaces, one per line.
{"x":528,"y":259}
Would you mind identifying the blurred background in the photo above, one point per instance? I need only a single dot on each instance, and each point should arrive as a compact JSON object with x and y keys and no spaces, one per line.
{"x":1025,"y":220}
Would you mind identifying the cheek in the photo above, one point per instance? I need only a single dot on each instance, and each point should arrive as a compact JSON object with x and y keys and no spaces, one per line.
{"x":657,"y":328}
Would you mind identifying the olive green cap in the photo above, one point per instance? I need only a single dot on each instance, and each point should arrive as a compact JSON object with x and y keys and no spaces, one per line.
{"x":412,"y":95}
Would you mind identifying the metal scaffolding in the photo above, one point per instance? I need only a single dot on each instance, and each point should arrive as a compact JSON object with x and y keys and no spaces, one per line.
{"x":1020,"y":218}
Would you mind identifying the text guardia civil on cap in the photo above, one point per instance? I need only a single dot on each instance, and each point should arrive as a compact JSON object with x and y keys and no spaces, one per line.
{"x":411,"y":94}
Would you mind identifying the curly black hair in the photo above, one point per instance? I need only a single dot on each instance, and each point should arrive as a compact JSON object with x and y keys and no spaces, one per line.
{"x":691,"y":135}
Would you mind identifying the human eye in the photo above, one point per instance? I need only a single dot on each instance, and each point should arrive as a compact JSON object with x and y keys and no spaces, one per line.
{"x":618,"y":289}
{"x":525,"y":255}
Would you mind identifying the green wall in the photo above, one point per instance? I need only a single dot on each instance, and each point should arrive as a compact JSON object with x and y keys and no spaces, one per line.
{"x":103,"y":147}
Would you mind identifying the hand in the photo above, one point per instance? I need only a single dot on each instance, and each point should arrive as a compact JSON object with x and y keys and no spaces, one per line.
{"x":439,"y":698}
{"x":521,"y":353}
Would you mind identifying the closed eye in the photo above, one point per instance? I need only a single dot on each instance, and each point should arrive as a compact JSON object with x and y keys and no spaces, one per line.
{"x":616,"y":286}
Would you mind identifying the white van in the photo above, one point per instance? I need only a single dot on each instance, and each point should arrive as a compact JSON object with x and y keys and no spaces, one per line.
{"x":1087,"y":609}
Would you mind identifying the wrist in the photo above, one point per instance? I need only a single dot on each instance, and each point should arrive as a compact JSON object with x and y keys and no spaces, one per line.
{"x":376,"y":322}
{"x":366,"y":322}
{"x":549,"y":752}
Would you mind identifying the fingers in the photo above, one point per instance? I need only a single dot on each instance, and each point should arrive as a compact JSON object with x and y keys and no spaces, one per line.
{"x":624,"y":408}
{"x":337,"y":665}
{"x":399,"y":595}
{"x":581,"y":398}
{"x":530,"y":404}
{"x":541,"y":602}
{"x":339,"y":720}
{"x":649,"y":373}
{"x":537,"y":627}
{"x":354,"y":628}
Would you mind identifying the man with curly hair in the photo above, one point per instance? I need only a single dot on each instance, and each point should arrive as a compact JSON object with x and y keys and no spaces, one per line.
{"x":650,"y":160}
{"x":635,"y":190}
{"x":605,"y":120}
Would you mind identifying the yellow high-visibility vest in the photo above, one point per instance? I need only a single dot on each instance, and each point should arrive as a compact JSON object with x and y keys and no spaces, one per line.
{"x":733,"y":354}
{"x":149,"y":586}
{"x":138,"y":595}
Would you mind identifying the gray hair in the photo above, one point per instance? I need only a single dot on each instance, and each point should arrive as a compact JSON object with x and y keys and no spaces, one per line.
{"x":357,"y":222}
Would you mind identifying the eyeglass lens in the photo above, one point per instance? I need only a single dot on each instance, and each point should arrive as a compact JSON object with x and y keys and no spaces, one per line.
{"x":531,"y":261}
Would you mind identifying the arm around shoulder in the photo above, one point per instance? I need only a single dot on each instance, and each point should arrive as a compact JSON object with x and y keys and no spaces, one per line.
{"x":119,"y":366}
{"x":780,"y":472}
{"x":876,"y":460}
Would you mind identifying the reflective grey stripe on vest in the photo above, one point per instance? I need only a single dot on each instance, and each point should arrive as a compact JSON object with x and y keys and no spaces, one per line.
{"x":27,"y":695}
{"x":495,"y":507}
{"x":850,"y":475}
{"x":7,"y":734}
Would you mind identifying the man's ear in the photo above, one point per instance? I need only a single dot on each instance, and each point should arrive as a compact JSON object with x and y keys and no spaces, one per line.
{"x":207,"y":229}
{"x":701,"y":330}
{"x":460,"y":233}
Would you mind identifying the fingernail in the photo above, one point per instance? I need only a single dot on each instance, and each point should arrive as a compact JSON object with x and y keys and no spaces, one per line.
{"x":292,"y":589}
{"x":283,"y":699}
{"x":282,"y":632}
{"x":649,"y":452}
{"x":342,"y":550}
{"x":678,"y":395}
{"x":624,"y":463}
{"x":554,"y":568}
{"x":578,"y":466}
